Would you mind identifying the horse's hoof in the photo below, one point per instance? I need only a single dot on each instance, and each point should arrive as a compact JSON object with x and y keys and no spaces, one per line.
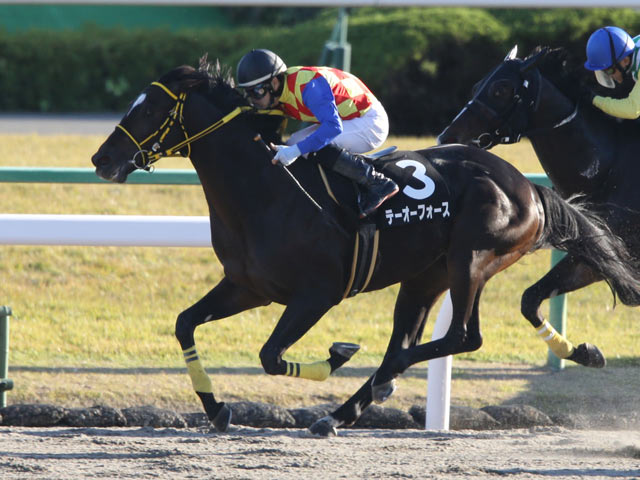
{"x":323,"y":428}
{"x":380,"y":393}
{"x":222,"y":420}
{"x":340,"y":353}
{"x":588,"y":355}
{"x":344,"y":349}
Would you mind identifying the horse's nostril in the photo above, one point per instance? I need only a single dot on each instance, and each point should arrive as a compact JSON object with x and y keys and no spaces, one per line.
{"x":100,"y":160}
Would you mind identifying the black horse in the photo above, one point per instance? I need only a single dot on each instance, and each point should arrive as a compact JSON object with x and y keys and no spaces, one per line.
{"x":463,"y":216}
{"x":582,"y":150}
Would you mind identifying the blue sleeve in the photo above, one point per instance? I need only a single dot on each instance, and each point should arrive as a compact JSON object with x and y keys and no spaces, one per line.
{"x":318,"y":97}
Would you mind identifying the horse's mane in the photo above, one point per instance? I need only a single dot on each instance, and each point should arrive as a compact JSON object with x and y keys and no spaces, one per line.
{"x":212,"y":80}
{"x":564,"y":71}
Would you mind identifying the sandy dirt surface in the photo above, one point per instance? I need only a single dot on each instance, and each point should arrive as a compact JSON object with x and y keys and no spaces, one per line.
{"x":249,"y":453}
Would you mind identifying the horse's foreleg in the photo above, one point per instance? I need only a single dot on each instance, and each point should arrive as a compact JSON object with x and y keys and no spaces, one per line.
{"x":224,"y":300}
{"x":568,"y":275}
{"x":299,"y":316}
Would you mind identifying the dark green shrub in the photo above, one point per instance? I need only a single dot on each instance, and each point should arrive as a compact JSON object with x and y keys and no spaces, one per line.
{"x":421,"y":62}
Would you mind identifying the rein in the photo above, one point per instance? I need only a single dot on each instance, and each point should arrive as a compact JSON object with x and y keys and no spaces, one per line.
{"x":175,"y":115}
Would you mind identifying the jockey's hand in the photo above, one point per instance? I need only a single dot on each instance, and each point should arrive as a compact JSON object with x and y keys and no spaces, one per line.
{"x":285,"y":154}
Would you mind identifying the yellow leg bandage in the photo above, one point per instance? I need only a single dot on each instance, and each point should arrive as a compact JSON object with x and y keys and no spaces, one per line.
{"x":559,"y":345}
{"x":199,"y":378}
{"x":318,"y":371}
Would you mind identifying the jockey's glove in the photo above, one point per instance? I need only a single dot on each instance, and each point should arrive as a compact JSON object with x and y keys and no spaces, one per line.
{"x":286,"y":154}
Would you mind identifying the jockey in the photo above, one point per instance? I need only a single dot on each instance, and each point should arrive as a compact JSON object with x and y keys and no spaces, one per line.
{"x":345,"y":114}
{"x":613,"y":55}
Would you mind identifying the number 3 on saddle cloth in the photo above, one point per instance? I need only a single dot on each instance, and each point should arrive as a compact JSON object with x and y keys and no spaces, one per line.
{"x":423,"y":197}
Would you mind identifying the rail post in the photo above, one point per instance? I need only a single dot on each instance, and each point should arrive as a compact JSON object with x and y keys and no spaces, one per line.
{"x":337,"y":51}
{"x":5,"y":383}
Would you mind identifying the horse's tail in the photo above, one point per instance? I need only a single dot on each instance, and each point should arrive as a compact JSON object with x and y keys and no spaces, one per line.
{"x":573,"y":227}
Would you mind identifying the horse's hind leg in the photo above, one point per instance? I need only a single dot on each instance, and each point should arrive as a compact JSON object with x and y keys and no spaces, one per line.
{"x":224,"y":300}
{"x":568,"y":275}
{"x":412,"y":307}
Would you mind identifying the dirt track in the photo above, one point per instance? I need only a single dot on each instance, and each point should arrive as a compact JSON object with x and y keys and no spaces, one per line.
{"x":248,"y":453}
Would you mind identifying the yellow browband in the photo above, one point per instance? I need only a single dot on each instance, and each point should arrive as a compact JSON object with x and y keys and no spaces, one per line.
{"x":176,"y":114}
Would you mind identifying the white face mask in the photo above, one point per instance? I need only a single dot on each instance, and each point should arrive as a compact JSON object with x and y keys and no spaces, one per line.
{"x":605,"y":80}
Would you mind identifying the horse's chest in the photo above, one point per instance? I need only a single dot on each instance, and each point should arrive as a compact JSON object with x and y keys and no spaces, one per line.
{"x":249,"y":262}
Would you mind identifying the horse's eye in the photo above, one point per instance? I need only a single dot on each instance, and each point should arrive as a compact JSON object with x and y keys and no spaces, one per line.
{"x":148,"y":112}
{"x":501,"y":89}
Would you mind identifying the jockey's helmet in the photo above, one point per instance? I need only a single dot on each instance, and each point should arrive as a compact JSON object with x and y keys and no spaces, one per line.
{"x":606,"y":47}
{"x":259,"y":66}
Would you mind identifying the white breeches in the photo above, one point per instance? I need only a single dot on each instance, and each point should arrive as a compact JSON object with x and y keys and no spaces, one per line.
{"x":359,"y":135}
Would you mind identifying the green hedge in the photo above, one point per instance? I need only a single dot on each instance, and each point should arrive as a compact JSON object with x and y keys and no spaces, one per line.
{"x":420,"y":62}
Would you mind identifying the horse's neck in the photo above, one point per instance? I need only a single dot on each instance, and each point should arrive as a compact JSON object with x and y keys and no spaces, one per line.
{"x":238,"y":180}
{"x":233,"y":169}
{"x":570,"y":147}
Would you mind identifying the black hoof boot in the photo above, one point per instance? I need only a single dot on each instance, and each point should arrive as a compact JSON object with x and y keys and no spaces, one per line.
{"x":588,"y":355}
{"x":222,"y":420}
{"x":324,"y":428}
{"x":380,"y":393}
{"x":340,"y":353}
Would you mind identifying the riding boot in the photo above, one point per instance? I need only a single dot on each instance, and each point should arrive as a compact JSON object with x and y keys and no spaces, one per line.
{"x":377,"y":188}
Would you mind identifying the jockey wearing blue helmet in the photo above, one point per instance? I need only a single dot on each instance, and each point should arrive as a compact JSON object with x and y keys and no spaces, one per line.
{"x":612,"y":54}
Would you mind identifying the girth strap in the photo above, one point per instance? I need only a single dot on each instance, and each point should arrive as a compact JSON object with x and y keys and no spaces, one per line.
{"x":365,"y":253}
{"x":365,"y":249}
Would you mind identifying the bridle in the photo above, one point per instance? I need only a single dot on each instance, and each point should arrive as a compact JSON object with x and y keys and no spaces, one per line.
{"x":143,"y":158}
{"x":513,"y":121}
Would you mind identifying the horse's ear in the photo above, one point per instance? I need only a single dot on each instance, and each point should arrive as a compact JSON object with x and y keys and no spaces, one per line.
{"x":531,"y":62}
{"x":513,"y":53}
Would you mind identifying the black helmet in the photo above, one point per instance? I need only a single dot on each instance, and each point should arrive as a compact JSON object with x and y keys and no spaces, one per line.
{"x":258,"y":66}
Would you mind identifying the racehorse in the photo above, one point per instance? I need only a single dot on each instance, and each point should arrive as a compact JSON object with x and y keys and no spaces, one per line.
{"x":463,"y":216}
{"x":582,"y":150}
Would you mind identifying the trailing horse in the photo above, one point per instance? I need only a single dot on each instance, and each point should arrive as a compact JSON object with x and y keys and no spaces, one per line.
{"x":462,"y":216}
{"x":582,"y":150}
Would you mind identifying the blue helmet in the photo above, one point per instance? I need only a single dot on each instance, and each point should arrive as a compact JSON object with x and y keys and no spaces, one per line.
{"x":606,"y":47}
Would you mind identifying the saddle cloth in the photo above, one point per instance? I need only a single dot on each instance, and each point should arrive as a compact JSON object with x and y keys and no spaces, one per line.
{"x":423,"y":197}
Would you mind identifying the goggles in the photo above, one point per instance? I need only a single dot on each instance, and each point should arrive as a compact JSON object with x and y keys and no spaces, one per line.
{"x":610,"y":71}
{"x":257,"y":92}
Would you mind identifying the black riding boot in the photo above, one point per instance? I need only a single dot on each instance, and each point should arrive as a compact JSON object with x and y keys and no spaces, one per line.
{"x":377,"y":187}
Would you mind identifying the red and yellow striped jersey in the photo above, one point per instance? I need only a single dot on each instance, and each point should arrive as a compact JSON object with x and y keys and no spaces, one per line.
{"x":353,"y":98}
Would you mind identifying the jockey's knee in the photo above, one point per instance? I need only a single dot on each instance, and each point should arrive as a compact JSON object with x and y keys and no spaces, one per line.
{"x":327,"y":156}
